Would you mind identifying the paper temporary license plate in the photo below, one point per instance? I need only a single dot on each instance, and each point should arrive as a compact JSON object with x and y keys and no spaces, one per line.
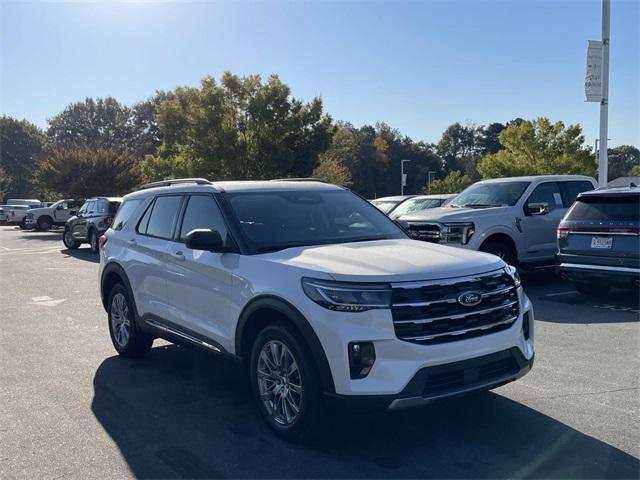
{"x":601,"y":242}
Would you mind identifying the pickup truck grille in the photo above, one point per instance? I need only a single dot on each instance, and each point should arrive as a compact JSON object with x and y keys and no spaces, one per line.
{"x":431,"y":312}
{"x":428,"y":232}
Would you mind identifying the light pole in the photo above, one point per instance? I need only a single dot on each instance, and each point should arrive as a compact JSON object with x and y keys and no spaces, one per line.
{"x":429,"y":181}
{"x":604,"y":102}
{"x":403,"y":178}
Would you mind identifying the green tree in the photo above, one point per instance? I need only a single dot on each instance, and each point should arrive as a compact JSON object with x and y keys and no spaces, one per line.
{"x":539,"y":147}
{"x":455,"y":182}
{"x":331,"y":170}
{"x":241,"y":128}
{"x":489,"y":138}
{"x":635,"y":171}
{"x":21,"y":144}
{"x":459,"y":148}
{"x":5,"y":183}
{"x":81,"y":172}
{"x":622,"y":160}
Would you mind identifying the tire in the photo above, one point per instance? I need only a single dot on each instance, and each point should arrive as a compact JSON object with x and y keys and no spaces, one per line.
{"x":93,"y":241}
{"x":23,"y":224}
{"x":44,"y":224}
{"x":500,"y":249}
{"x":125,"y":335}
{"x":68,"y":240}
{"x":592,"y":289}
{"x":278,"y":407}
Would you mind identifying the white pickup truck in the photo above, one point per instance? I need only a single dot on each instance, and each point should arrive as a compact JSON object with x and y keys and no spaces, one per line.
{"x":56,"y":214}
{"x":515,"y":218}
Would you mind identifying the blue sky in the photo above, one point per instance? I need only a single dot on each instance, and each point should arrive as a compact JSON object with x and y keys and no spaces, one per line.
{"x":418,"y":66}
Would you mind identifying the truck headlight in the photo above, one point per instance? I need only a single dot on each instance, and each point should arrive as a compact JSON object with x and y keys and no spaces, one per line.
{"x":347,"y":297}
{"x":457,"y":232}
{"x":513,"y":273}
{"x":29,"y":215}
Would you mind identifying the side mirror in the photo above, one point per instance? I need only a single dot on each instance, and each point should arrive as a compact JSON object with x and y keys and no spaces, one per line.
{"x":541,"y":208}
{"x":205,"y":239}
{"x":73,"y":212}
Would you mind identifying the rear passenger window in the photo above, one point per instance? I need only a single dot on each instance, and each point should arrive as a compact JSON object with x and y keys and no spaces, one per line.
{"x":572,"y":189}
{"x":202,"y":212}
{"x":163,"y":216}
{"x":125,"y":213}
{"x":548,"y":193}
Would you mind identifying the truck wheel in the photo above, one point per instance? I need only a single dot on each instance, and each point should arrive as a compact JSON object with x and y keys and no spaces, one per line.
{"x":68,"y":240}
{"x":592,"y":289}
{"x":44,"y":224}
{"x":500,"y":249}
{"x":285,"y":382}
{"x":127,"y":339}
{"x":93,"y":241}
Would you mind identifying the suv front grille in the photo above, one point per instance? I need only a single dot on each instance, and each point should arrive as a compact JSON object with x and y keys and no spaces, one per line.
{"x":428,"y":232}
{"x":430,"y":312}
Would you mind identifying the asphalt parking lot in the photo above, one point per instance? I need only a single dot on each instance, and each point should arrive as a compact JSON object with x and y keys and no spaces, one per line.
{"x":69,"y":407}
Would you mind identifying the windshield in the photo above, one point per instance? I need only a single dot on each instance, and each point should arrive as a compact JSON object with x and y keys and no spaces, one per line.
{"x":385,"y":207}
{"x":276,"y":220}
{"x":484,"y":195}
{"x":415,"y":205}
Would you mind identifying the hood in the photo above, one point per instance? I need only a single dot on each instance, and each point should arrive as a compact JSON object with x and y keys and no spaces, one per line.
{"x":387,"y":260}
{"x":38,"y":211}
{"x":457,"y":214}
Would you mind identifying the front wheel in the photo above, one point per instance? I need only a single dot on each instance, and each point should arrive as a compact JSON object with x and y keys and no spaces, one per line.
{"x":285,"y":382}
{"x":44,"y":224}
{"x":500,"y":249}
{"x":68,"y":240}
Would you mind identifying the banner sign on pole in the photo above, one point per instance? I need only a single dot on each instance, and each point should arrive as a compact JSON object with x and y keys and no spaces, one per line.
{"x":593,"y":79}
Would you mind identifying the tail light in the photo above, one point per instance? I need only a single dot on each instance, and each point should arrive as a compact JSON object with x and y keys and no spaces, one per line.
{"x":563,"y":232}
{"x":101,"y":241}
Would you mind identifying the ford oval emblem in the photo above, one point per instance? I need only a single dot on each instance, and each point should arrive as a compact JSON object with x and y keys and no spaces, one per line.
{"x":470,"y":299}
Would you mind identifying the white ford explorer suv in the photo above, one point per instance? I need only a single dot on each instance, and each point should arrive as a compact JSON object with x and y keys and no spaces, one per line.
{"x":324,"y":298}
{"x":515,"y":218}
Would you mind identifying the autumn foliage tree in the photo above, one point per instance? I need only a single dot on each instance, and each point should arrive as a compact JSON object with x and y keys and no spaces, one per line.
{"x":81,"y":172}
{"x":331,"y":170}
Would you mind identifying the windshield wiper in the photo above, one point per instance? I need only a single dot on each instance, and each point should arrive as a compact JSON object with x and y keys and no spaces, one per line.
{"x":275,"y":248}
{"x":482,"y":205}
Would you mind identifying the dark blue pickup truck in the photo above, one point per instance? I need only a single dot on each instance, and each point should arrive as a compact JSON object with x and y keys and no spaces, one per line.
{"x":599,"y":241}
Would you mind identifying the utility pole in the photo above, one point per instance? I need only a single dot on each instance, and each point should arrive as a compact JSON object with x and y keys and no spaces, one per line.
{"x":429,"y":181}
{"x":403,"y":178}
{"x":604,"y":102}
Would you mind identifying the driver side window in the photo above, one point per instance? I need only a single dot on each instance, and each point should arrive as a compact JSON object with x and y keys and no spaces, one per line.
{"x":548,"y":193}
{"x":83,"y":208}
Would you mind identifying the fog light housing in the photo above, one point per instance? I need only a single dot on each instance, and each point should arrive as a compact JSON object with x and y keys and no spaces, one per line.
{"x":362,"y":356}
{"x":526,"y":326}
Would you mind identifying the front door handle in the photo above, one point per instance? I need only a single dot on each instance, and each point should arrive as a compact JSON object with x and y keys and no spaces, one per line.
{"x":132,"y":242}
{"x":178,"y":255}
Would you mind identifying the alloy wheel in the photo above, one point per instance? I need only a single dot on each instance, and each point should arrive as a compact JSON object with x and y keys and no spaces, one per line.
{"x":279,"y":382}
{"x":120,"y":323}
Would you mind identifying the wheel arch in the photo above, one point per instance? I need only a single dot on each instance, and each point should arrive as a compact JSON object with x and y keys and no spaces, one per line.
{"x":267,"y":309}
{"x":112,"y":274}
{"x":501,"y":237}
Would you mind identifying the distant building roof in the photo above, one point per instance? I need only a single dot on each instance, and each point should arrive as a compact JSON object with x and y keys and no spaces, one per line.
{"x":624,"y":181}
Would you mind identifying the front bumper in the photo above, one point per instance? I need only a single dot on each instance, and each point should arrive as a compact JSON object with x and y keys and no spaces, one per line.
{"x":399,"y":362}
{"x":29,"y":222}
{"x":441,"y":381}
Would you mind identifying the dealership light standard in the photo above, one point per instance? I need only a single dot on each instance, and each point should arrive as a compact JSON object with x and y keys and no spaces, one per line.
{"x":429,"y":181}
{"x":403,"y":177}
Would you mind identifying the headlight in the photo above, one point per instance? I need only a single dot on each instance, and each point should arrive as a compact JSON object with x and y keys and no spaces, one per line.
{"x":29,"y":215}
{"x":513,"y":273}
{"x":347,"y":297}
{"x":457,"y":232}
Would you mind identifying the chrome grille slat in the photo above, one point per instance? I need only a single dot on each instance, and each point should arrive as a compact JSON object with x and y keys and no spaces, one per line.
{"x":461,"y":315}
{"x":462,"y":332}
{"x":429,"y":312}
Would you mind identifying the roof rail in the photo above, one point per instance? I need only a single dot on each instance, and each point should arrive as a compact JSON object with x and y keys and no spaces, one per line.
{"x":175,"y":181}
{"x":301,"y":179}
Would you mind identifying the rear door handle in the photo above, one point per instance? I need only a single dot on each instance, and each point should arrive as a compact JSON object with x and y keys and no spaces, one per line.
{"x":178,"y":255}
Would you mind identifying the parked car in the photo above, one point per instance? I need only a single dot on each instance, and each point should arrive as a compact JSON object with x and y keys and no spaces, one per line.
{"x":91,"y":221}
{"x":515,"y":218}
{"x":421,"y":202}
{"x":387,"y":204}
{"x":599,"y":241}
{"x":323,"y":297}
{"x":55,"y":215}
{"x":14,"y":214}
{"x":30,"y":202}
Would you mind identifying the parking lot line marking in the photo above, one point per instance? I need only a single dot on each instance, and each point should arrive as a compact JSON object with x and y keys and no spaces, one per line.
{"x":557,"y":294}
{"x":41,"y":299}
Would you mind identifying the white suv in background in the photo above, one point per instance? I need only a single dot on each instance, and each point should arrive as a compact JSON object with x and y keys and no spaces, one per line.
{"x":515,"y":218}
{"x":325,"y":299}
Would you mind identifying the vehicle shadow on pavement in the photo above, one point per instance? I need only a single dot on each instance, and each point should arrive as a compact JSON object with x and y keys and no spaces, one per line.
{"x":82,"y":254}
{"x":35,"y":235}
{"x":184,"y":413}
